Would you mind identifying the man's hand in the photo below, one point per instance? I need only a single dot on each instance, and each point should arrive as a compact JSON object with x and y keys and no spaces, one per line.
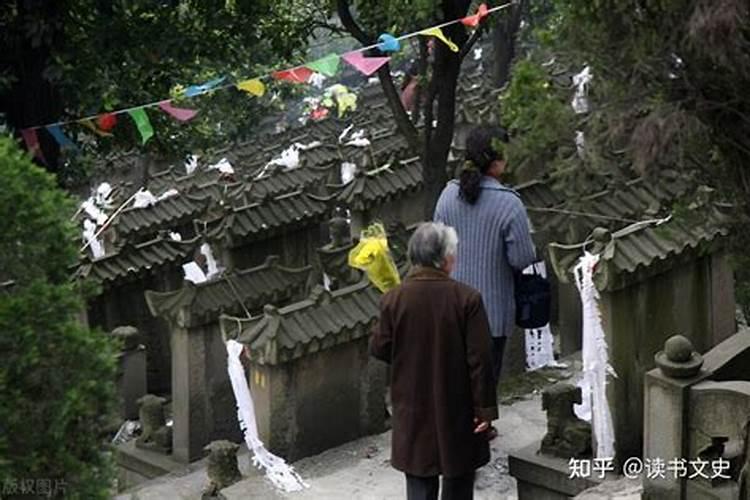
{"x":481,"y":426}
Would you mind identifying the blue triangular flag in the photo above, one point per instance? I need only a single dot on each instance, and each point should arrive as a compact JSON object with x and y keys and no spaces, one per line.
{"x":195,"y":90}
{"x":61,"y":138}
{"x":388,"y":43}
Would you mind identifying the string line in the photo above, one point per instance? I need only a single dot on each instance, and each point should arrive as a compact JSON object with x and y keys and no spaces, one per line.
{"x":266,"y":76}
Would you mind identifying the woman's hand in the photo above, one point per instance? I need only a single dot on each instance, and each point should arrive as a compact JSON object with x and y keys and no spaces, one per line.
{"x":481,"y":426}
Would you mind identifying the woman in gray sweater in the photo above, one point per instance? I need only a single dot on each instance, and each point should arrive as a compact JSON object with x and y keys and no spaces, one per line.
{"x":493,"y":232}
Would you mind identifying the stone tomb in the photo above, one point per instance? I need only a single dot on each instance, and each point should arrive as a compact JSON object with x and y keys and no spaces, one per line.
{"x":654,"y":281}
{"x":313,"y":382}
{"x":203,"y":405}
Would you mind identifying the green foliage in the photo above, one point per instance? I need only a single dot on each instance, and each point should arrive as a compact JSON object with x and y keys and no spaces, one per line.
{"x":56,"y":379}
{"x":113,"y":55}
{"x":534,"y":110}
{"x":668,"y":98}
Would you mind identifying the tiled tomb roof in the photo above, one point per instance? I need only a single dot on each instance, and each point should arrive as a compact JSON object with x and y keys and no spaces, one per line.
{"x":382,"y":184}
{"x":132,"y":261}
{"x":324,"y":320}
{"x":270,"y":282}
{"x":638,"y":251}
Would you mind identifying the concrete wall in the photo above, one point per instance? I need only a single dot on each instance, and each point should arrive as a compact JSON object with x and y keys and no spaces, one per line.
{"x":638,"y":319}
{"x":319,"y":401}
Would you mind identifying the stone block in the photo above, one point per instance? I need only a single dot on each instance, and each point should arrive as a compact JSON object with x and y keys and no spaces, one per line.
{"x":541,"y":477}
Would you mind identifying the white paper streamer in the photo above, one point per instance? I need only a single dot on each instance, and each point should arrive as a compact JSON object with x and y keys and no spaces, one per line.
{"x":191,"y":163}
{"x":347,"y":172}
{"x":282,"y":475}
{"x":540,"y":350}
{"x":194,"y":273}
{"x":89,"y":235}
{"x":596,"y":367}
{"x":213,"y":268}
{"x":581,"y":81}
{"x":223,"y":166}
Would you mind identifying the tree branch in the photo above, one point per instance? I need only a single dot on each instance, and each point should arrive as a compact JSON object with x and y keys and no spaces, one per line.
{"x":469,"y":44}
{"x":345,"y":14}
{"x":403,"y":122}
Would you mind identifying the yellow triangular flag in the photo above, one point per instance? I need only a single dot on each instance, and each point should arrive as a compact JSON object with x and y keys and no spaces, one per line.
{"x":253,"y":86}
{"x":438,"y":33}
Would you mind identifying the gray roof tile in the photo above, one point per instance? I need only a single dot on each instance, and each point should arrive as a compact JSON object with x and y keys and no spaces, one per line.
{"x":323,"y":320}
{"x":269,"y":282}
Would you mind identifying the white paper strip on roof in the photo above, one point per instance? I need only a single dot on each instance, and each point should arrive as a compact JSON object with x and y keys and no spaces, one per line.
{"x":581,"y":81}
{"x":89,"y":232}
{"x":347,"y":172}
{"x":93,"y":211}
{"x":222,"y":166}
{"x":193,"y":273}
{"x":213,"y":268}
{"x":191,"y":164}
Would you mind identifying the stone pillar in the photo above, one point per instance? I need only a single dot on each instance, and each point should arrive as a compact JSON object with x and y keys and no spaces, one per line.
{"x":131,"y":375}
{"x":189,"y":392}
{"x":666,"y":413}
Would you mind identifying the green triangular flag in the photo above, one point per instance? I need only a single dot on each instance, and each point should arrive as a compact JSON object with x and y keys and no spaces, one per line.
{"x":141,"y":120}
{"x":327,"y":65}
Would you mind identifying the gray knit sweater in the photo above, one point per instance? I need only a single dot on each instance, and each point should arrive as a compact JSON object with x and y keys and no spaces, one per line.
{"x":493,"y":237}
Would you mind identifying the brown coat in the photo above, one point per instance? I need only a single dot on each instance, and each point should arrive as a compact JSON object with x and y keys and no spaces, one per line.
{"x":435,"y":334}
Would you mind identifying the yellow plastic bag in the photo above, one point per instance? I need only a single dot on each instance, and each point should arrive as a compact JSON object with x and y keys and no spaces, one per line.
{"x":372,"y":256}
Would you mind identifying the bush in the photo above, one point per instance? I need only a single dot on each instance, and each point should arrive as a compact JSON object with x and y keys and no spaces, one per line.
{"x":56,"y":376}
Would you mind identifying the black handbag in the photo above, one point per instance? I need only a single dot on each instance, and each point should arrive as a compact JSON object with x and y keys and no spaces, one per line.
{"x":533,"y":296}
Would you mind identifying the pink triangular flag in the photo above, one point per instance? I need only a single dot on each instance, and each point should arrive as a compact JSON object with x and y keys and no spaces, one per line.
{"x":32,"y":143}
{"x":366,"y":65}
{"x":181,"y":114}
{"x":296,"y":75}
{"x":473,"y":21}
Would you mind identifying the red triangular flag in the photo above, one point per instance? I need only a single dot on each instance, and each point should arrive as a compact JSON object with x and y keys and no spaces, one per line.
{"x":295,"y":75}
{"x":473,"y":21}
{"x":107,"y":121}
{"x":181,"y":114}
{"x":366,"y":65}
{"x":32,"y":143}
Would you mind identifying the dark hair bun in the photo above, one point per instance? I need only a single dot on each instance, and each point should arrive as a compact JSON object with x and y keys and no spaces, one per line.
{"x":480,"y":154}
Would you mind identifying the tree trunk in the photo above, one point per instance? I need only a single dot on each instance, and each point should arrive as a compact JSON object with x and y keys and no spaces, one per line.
{"x":504,"y":44}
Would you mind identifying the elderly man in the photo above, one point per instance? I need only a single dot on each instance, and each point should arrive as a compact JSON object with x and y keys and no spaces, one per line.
{"x":435,"y":334}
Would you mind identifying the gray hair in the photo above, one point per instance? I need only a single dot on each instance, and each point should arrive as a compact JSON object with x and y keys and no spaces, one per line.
{"x":431,"y":243}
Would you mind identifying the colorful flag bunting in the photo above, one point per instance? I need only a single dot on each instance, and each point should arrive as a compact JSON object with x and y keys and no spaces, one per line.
{"x":438,"y":33}
{"x":141,"y":120}
{"x":388,"y":43}
{"x":107,"y":122}
{"x":473,"y":21}
{"x":181,"y":114}
{"x":89,"y":124}
{"x":254,"y":87}
{"x":327,"y":65}
{"x":194,"y":90}
{"x":366,"y":65}
{"x":294,"y":75}
{"x":61,"y":138}
{"x":32,"y":143}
